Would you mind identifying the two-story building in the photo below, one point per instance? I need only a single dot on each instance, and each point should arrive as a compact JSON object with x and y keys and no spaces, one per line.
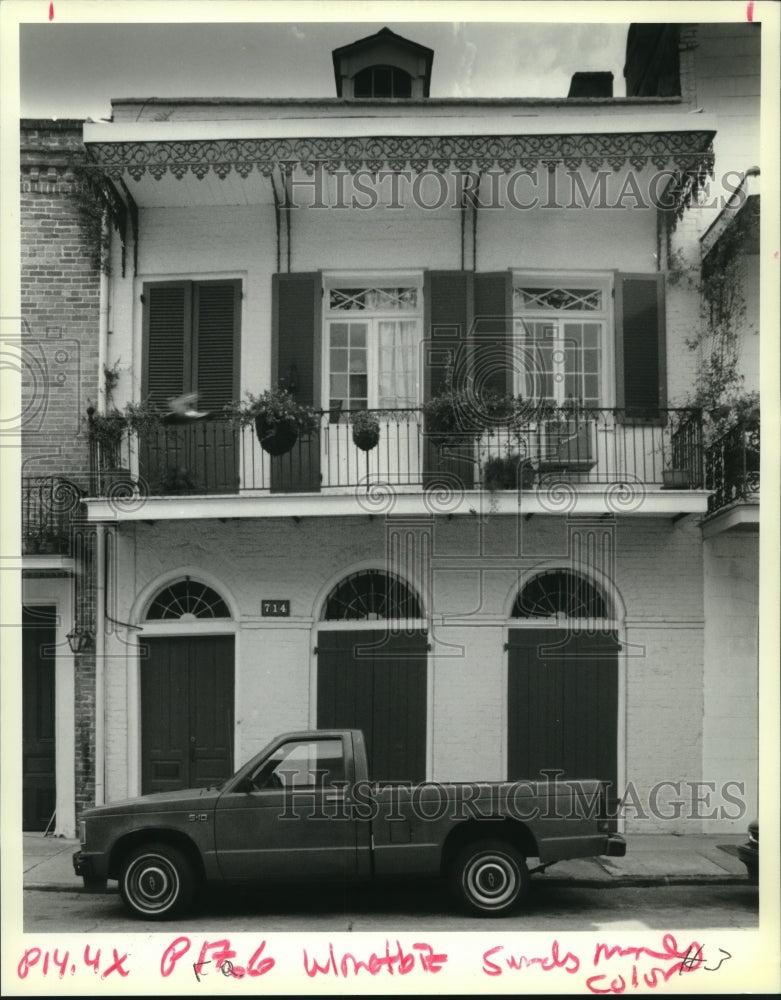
{"x":510,"y":569}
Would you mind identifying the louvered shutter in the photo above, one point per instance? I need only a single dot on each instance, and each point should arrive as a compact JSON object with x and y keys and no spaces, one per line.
{"x":296,"y":353}
{"x":166,"y":341}
{"x":492,"y":332}
{"x":216,"y":326}
{"x":297,"y":333}
{"x":447,"y":304}
{"x":447,"y":309}
{"x":641,"y":378}
{"x":191,"y":344}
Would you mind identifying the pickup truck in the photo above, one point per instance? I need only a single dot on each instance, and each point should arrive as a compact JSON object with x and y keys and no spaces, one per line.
{"x":305,"y":809}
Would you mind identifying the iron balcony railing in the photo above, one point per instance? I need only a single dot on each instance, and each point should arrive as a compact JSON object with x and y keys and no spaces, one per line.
{"x":732,"y":467}
{"x":596,"y":445}
{"x":49,"y":506}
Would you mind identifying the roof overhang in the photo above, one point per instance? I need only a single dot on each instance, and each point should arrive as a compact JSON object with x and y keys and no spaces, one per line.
{"x":741,"y":210}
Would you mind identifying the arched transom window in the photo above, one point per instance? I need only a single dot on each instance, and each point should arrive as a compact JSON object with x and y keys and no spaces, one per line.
{"x":560,"y":593}
{"x":186,"y":600}
{"x":371,"y":595}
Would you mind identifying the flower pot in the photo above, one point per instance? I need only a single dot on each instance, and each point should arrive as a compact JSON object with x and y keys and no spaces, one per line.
{"x":568,"y":446}
{"x":508,"y":474}
{"x":366,"y":438}
{"x":276,"y":438}
{"x":675,"y":479}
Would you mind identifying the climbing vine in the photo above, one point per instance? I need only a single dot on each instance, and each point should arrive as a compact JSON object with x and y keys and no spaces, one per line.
{"x":721,"y":286}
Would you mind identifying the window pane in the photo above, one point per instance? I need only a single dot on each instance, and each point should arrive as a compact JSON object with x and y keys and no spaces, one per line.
{"x":339,"y":335}
{"x":338,"y":360}
{"x":591,"y":361}
{"x":339,"y":386}
{"x":591,"y":390}
{"x":358,"y":361}
{"x":358,"y":387}
{"x":591,"y":334}
{"x":357,"y":334}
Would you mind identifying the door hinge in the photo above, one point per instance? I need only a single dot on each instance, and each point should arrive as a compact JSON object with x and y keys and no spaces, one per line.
{"x":315,"y":650}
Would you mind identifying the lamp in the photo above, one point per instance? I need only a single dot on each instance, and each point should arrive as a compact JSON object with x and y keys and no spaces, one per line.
{"x":79,"y":639}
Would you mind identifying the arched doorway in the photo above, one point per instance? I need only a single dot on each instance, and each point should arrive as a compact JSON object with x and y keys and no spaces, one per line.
{"x":187,"y":690}
{"x":563,"y":680}
{"x":372,"y":654}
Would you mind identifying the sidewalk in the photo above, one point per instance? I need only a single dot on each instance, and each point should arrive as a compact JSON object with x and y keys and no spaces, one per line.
{"x":651,"y":859}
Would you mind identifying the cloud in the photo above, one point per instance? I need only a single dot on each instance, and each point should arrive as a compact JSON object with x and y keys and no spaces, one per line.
{"x":462,"y":86}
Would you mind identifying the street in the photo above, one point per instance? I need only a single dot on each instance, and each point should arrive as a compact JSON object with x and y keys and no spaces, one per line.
{"x":551,"y":907}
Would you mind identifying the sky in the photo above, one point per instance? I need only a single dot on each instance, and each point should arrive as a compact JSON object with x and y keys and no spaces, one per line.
{"x":74,"y":70}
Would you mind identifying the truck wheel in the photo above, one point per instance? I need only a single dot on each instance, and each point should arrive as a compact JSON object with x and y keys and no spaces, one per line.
{"x":156,"y":882}
{"x":490,"y":877}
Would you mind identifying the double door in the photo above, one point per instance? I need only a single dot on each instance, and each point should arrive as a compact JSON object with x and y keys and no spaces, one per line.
{"x":187,"y":698}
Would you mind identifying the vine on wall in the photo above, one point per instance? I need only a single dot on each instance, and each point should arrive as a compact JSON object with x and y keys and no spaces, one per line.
{"x":721,"y":285}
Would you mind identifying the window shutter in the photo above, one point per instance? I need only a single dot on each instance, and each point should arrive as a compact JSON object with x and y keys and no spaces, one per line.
{"x":296,"y":355}
{"x":492,"y":332}
{"x":217,"y":308}
{"x":641,"y":378}
{"x":297,"y":334}
{"x":447,"y":303}
{"x":166,"y":341}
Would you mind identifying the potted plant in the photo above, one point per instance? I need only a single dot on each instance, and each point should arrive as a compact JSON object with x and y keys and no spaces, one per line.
{"x":105,"y":432}
{"x":509,"y":472}
{"x":448,"y":421}
{"x":675,"y":479}
{"x":567,"y":441}
{"x":278,"y":418}
{"x":366,"y":429}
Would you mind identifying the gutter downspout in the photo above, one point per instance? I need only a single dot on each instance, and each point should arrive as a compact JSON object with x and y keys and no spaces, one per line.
{"x":100,"y":556}
{"x":100,"y":656}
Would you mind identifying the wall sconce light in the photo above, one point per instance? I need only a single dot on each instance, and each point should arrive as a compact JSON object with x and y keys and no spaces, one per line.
{"x":80,"y":639}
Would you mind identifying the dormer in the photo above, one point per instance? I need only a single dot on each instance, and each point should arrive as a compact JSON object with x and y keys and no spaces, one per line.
{"x":383,"y":65}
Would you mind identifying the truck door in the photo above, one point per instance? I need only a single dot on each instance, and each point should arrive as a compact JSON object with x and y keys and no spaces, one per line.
{"x":289,"y":820}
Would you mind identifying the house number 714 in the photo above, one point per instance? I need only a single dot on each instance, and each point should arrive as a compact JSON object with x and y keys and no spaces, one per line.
{"x":275,"y":609}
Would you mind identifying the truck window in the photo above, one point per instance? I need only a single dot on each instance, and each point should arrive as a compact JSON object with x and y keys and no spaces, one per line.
{"x":303,"y":764}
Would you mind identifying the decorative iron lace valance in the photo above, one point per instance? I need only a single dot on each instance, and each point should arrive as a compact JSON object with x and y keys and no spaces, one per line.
{"x":688,"y":152}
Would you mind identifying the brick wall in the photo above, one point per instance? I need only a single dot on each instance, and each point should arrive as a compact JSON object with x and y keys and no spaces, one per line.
{"x":60,"y":297}
{"x":60,"y":300}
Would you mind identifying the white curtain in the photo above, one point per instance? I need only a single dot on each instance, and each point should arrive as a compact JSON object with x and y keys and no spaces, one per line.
{"x":398,"y":363}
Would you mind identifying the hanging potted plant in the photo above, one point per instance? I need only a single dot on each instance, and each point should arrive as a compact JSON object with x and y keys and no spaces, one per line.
{"x":278,"y":418}
{"x":366,"y":429}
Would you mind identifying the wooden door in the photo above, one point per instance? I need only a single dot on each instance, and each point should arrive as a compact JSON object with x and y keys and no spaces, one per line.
{"x":376,"y":681}
{"x":187,"y":685}
{"x":38,"y":714}
{"x":563,"y":705}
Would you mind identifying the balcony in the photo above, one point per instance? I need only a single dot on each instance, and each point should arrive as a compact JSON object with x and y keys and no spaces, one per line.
{"x":732,"y":468}
{"x":49,"y":505}
{"x":598,"y":449}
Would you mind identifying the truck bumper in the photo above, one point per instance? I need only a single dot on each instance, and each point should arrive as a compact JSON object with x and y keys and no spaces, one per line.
{"x":616,"y":846}
{"x":83,"y":865}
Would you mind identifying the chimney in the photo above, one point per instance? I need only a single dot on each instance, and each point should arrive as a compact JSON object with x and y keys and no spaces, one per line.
{"x":591,"y":84}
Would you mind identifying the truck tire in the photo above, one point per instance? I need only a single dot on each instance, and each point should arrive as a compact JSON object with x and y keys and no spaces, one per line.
{"x":490,"y":878}
{"x":156,"y":882}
